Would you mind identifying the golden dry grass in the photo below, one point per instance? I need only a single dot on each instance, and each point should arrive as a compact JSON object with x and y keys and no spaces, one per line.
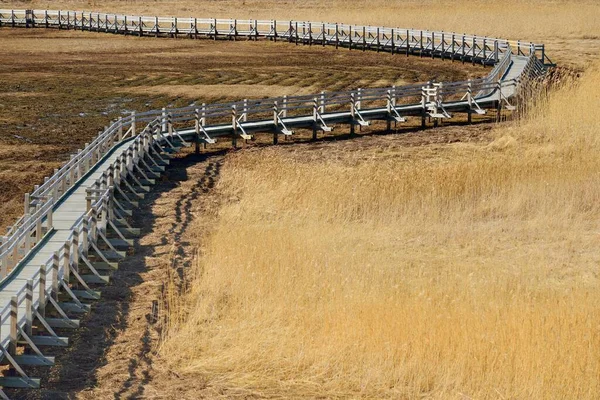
{"x":464,"y":272}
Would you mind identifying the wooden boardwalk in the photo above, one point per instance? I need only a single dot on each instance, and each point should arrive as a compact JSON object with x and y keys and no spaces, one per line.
{"x":75,"y":226}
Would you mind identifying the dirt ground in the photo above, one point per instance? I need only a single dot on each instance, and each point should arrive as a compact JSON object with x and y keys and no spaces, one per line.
{"x":113,"y":353}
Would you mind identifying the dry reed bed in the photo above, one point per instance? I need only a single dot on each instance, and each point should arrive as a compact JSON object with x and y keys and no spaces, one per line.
{"x":468,"y":272}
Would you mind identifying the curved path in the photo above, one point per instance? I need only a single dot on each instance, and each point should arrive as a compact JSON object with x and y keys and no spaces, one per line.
{"x":75,"y":227}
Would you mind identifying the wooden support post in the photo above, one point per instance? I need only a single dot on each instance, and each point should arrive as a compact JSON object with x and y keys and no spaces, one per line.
{"x":499,"y":104}
{"x":197,"y":129}
{"x":164,"y":120}
{"x":352,"y":114}
{"x":393,"y":44}
{"x":364,"y":37}
{"x":443,"y":45}
{"x":470,"y":101}
{"x":349,"y":37}
{"x":275,"y":121}
{"x":234,"y":126}
{"x":49,"y":219}
{"x":85,"y":236}
{"x":133,"y":131}
{"x":42,"y":291}
{"x":27,"y":203}
{"x":12,"y":345}
{"x":29,"y":307}
{"x":67,"y":260}
{"x":389,"y":111}
{"x":423,"y":108}
{"x":75,"y":247}
{"x":38,"y":224}
{"x":315,"y":118}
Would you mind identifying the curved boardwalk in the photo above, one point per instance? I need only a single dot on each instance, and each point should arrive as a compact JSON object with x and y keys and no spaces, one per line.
{"x":75,"y":225}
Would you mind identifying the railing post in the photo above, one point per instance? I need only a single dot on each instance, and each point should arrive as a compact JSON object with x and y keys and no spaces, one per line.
{"x":67,"y":261}
{"x":29,"y":307}
{"x":42,"y":291}
{"x":423,"y":106}
{"x":352,"y":113}
{"x":496,"y":51}
{"x":38,"y":224}
{"x":12,"y":345}
{"x":389,"y":111}
{"x":133,"y":132}
{"x":55,"y":267}
{"x":75,"y":249}
{"x":27,"y":203}
{"x":197,"y":131}
{"x":470,"y":100}
{"x":120,"y":131}
{"x":275,"y":121}
{"x":85,"y":234}
{"x":499,"y":105}
{"x":315,"y":114}
{"x":50,"y":217}
{"x":163,"y":120}
{"x":234,"y":126}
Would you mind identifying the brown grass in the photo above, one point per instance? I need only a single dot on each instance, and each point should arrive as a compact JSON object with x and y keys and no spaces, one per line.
{"x":468,"y":271}
{"x":565,"y":25}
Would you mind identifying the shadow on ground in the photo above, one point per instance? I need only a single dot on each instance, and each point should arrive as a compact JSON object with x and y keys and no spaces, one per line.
{"x":77,"y":365}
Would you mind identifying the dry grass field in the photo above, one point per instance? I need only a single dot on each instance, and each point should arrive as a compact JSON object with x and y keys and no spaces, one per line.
{"x":447,"y":271}
{"x":457,"y":263}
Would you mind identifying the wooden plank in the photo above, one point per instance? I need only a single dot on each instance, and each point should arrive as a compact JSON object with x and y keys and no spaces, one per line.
{"x":18,"y":382}
{"x":34,"y":359}
{"x":48,"y":341}
{"x":62,"y":323}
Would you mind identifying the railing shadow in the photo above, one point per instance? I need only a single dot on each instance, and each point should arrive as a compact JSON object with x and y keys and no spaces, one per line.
{"x":77,"y":366}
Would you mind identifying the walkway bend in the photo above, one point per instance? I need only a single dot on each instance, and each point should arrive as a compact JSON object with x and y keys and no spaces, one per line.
{"x":75,"y":226}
